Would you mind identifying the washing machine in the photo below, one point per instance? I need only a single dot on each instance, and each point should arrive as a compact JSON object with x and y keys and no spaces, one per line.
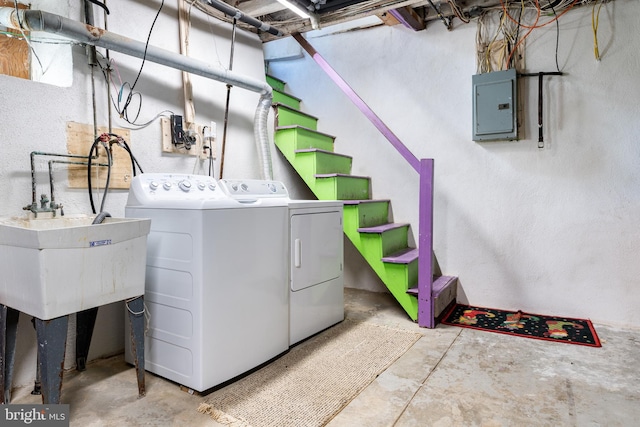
{"x":216,"y":291}
{"x":316,"y":280}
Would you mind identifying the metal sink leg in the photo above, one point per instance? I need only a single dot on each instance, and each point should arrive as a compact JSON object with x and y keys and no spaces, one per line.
{"x":8,"y":332}
{"x":135,"y":308}
{"x":52,"y":340}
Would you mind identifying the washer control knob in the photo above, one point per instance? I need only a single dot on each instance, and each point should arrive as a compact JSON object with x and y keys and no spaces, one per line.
{"x":234,"y":187}
{"x":153,"y":185}
{"x":272,"y":187}
{"x":212,"y":186}
{"x":201,"y":186}
{"x":244,"y":187}
{"x":167,"y":185}
{"x":185,"y":185}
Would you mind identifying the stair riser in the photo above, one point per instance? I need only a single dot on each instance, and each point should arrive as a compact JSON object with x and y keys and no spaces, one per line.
{"x":286,"y":117}
{"x":275,"y":83}
{"x":367,"y":214}
{"x":341,"y":188}
{"x":283,"y":98}
{"x":322,"y":163}
{"x":291,"y":140}
{"x":444,"y":298}
{"x":383,"y":244}
{"x":407,"y":274}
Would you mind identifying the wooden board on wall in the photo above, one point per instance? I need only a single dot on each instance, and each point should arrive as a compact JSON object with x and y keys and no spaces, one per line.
{"x":14,"y":50}
{"x":79,"y":141}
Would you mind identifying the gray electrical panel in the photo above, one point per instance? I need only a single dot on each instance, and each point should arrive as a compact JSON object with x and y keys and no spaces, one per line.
{"x":494,"y":106}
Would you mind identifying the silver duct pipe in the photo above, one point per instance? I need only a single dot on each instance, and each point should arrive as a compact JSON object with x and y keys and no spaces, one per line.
{"x":240,"y":16}
{"x":37,"y":20}
{"x":260,"y":122}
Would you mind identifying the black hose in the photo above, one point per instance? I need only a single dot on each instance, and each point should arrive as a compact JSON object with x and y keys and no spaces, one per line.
{"x":100,"y":217}
{"x":94,"y":147}
{"x":89,"y":157}
{"x":108,"y":180}
{"x":134,"y":161}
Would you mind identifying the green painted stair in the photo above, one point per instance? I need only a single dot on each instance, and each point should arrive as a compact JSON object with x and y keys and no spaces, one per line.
{"x":383,"y":245}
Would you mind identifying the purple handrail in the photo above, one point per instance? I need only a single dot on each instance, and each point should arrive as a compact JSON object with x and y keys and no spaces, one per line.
{"x":424,"y":167}
{"x":362,"y":106}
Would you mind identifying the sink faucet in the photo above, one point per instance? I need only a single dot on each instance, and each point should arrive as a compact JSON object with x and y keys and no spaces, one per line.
{"x":44,"y":201}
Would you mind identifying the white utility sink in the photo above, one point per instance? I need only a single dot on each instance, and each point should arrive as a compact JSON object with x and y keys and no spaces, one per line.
{"x":57,"y":266}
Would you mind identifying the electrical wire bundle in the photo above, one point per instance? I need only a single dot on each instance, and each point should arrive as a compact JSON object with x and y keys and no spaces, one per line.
{"x":503,"y":48}
{"x":128,"y":102}
{"x":494,"y":48}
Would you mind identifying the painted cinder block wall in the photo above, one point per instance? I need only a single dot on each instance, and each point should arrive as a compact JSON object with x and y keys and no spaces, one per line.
{"x":551,"y":230}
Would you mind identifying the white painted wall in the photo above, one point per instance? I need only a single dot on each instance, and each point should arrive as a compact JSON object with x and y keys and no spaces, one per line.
{"x":33,"y":116}
{"x":552,"y":231}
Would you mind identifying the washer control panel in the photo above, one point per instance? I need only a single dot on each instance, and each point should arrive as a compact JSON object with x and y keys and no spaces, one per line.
{"x":163,"y":188}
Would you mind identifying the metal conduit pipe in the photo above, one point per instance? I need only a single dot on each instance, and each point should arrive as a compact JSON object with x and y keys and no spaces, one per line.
{"x":240,"y":16}
{"x":37,"y":20}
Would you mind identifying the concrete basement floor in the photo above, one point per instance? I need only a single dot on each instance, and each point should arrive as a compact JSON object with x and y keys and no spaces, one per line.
{"x":450,"y":377}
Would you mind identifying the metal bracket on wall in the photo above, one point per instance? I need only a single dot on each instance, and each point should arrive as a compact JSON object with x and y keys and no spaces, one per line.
{"x":446,"y":21}
{"x":540,"y":76}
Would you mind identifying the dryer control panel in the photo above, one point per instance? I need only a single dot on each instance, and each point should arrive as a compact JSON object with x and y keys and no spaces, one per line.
{"x":253,"y":188}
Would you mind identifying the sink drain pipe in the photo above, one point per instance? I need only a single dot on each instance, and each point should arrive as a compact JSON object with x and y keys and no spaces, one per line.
{"x":38,"y":20}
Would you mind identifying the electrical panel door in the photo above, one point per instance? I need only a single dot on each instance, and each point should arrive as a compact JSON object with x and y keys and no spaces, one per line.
{"x":494,"y":106}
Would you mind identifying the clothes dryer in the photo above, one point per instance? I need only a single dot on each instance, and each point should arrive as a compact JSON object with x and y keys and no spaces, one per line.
{"x":316,"y":280}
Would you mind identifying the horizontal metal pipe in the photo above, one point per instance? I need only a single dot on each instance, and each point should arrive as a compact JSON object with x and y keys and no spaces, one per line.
{"x":240,"y":16}
{"x":37,"y":20}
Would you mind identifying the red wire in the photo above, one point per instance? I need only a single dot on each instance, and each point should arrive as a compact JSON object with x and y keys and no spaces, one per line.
{"x":504,"y":8}
{"x":526,"y":35}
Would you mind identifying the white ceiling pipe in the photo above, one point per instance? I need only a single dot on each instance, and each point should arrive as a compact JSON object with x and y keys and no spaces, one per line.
{"x":37,"y":20}
{"x":241,"y":16}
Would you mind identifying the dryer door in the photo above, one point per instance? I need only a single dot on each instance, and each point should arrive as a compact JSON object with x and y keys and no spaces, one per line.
{"x":316,"y":248}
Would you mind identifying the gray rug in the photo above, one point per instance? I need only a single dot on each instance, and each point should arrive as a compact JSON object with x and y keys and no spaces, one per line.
{"x":314,"y":381}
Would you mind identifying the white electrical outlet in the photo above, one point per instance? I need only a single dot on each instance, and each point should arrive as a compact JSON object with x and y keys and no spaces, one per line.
{"x":209,"y":141}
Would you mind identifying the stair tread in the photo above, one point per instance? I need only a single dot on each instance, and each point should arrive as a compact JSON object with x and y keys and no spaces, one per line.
{"x":304,"y":128}
{"x":286,"y":107}
{"x":357,"y":202}
{"x":404,"y":256}
{"x":382,"y":228}
{"x":442,"y":282}
{"x":439,"y":284}
{"x":344,"y":175}
{"x":319,"y":150}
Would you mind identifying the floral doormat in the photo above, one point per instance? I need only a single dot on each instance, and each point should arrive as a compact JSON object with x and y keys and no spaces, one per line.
{"x":550,"y":328}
